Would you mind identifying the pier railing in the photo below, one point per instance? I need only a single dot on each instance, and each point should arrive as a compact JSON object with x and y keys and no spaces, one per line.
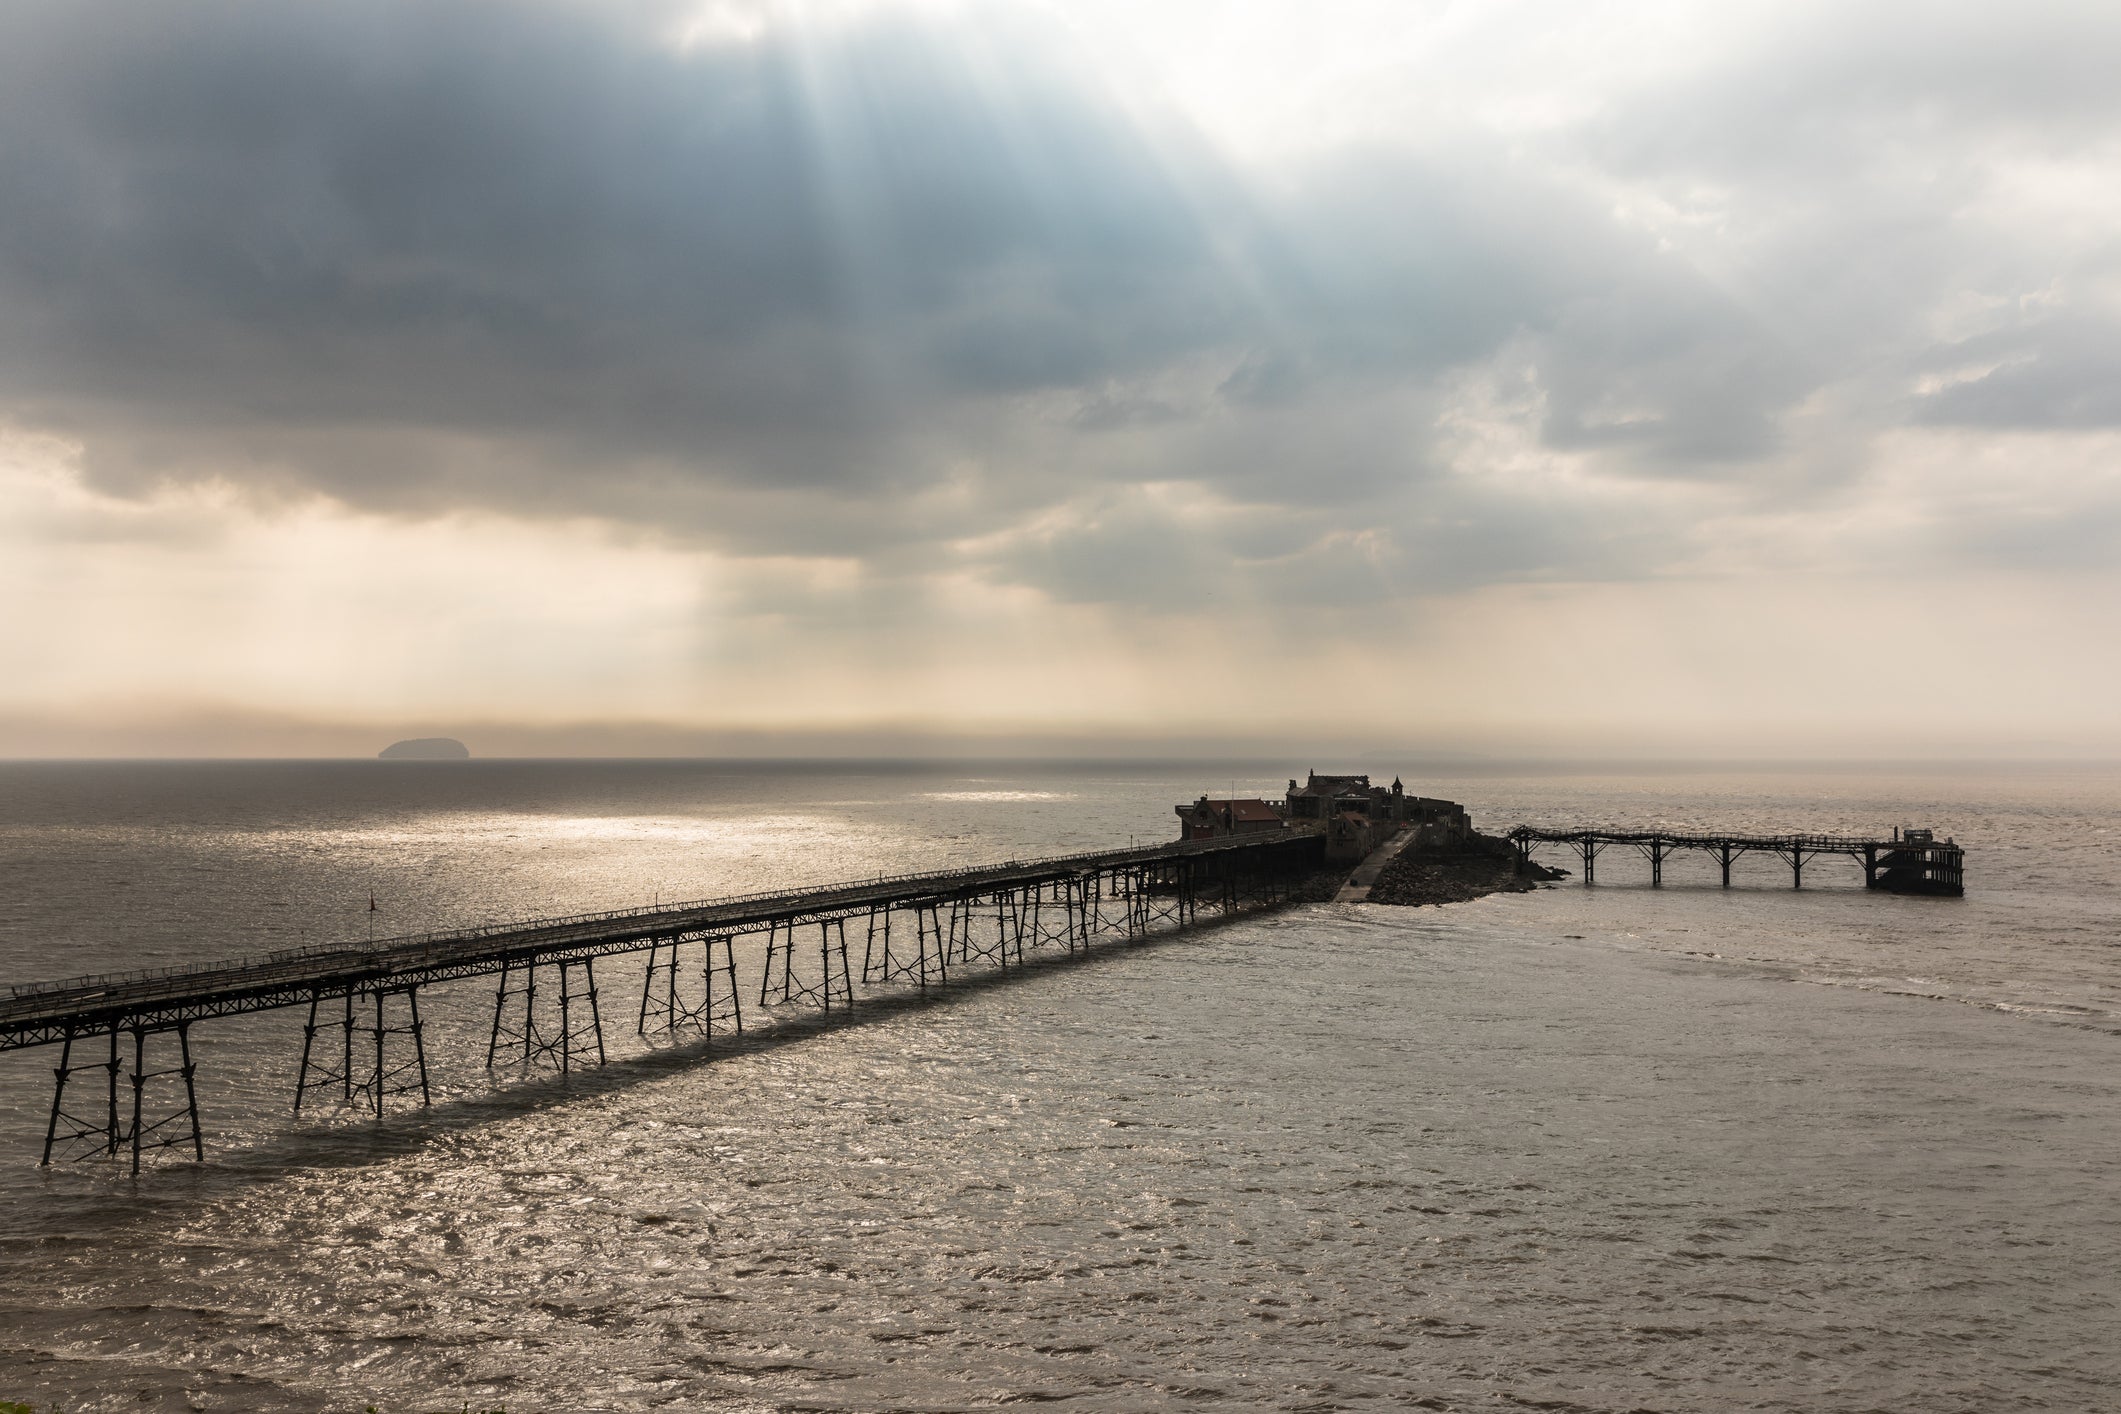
{"x":913,"y":928}
{"x":480,"y":932}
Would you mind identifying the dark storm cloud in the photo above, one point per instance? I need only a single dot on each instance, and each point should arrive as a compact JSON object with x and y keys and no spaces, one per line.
{"x":526,"y":221}
{"x":865,"y":290}
{"x":519,"y":254}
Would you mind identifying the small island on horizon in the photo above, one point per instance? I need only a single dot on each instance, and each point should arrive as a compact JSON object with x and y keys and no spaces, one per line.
{"x":426,"y":748}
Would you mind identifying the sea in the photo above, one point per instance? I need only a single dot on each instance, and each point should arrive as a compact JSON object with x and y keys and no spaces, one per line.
{"x":1611,"y":1148}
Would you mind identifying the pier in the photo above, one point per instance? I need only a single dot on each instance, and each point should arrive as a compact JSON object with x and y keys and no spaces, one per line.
{"x":1909,"y":862}
{"x":119,"y":1091}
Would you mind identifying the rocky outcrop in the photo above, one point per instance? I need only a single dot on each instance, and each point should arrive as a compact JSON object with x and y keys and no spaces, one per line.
{"x":1483,"y":865}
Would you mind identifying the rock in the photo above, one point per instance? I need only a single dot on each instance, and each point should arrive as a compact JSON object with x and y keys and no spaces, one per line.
{"x":1485,"y":865}
{"x":426,"y":748}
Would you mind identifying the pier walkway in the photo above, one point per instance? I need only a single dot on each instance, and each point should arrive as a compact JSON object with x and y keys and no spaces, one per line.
{"x":363,"y":1039}
{"x":1910,"y":862}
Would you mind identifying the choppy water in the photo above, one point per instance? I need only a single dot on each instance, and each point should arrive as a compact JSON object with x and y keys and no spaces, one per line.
{"x":1581,"y":1149}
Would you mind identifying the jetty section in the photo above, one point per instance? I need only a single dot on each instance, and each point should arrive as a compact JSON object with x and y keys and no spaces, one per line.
{"x":122,"y":1089}
{"x":1909,"y":862}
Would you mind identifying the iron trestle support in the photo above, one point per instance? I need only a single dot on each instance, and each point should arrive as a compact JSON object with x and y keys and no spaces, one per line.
{"x":368,"y":1085}
{"x":568,"y":1028}
{"x":128,"y":1130}
{"x":671,"y":1006}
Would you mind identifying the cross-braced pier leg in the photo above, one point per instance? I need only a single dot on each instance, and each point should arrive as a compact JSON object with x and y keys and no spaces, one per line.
{"x":1035,"y":914}
{"x":314,"y":1073}
{"x":991,"y":937}
{"x":780,"y":949}
{"x":933,"y":944}
{"x":112,"y":1131}
{"x":170,"y":1130}
{"x":384,"y":1070}
{"x":876,"y":947}
{"x":975,"y":936}
{"x":1074,"y":895}
{"x":568,"y":1029}
{"x":956,"y":948}
{"x":386,"y":1077}
{"x":1008,"y":928}
{"x":1093,"y":906}
{"x":835,"y":980}
{"x":1155,"y":894}
{"x":667,"y":1004}
{"x":66,"y":1128}
{"x":885,"y":958}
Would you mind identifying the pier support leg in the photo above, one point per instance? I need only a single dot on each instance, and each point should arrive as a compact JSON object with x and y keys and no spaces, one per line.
{"x":570,"y":1028}
{"x":1723,"y":852}
{"x":379,"y":1076}
{"x":139,"y":1089}
{"x":111,"y":1108}
{"x":64,"y":1129}
{"x":191,"y":1092}
{"x":419,"y":1045}
{"x":730,"y":1009}
{"x":536,"y":1040}
{"x":881,"y":962}
{"x":869,"y":946}
{"x":314,"y":1073}
{"x":1590,"y":863}
{"x":1656,"y":864}
{"x":309,"y":1041}
{"x":835,"y":980}
{"x":142,"y":1134}
{"x":59,"y":1074}
{"x":775,"y":952}
{"x":529,"y":994}
{"x":666,"y":1005}
{"x":1008,"y":928}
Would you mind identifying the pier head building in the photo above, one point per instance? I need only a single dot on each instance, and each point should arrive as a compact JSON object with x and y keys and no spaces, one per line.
{"x":1354,"y":815}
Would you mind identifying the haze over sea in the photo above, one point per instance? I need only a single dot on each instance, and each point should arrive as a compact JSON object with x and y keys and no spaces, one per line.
{"x":1607,"y":1149}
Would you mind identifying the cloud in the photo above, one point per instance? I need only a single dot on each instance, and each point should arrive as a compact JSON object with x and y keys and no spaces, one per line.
{"x":926,"y":292}
{"x":243,"y":226}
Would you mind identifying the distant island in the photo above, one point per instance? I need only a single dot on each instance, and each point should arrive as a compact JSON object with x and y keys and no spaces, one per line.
{"x":426,"y":748}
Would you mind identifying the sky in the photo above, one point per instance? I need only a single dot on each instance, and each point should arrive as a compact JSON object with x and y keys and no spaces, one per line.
{"x":1509,"y":379}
